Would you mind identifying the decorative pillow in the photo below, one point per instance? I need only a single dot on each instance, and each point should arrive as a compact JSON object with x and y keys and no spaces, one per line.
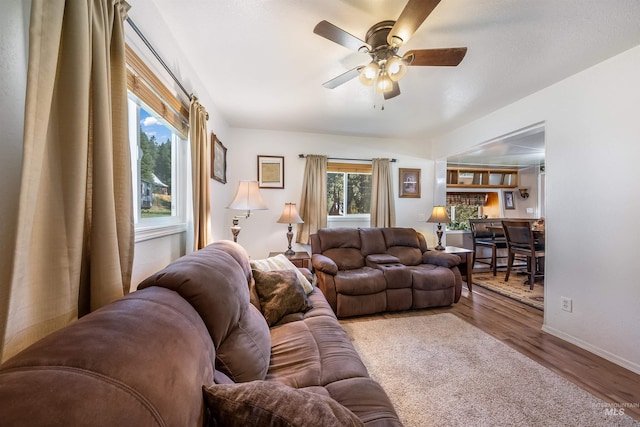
{"x":280,"y":293}
{"x":262,"y":403}
{"x":281,"y":262}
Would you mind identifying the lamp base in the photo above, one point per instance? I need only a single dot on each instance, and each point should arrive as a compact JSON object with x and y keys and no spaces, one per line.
{"x":439,"y":247}
{"x":289,"y":252}
{"x":235,"y":229}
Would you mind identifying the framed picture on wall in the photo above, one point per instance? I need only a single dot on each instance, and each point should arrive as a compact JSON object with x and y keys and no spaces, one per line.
{"x":271,"y":171}
{"x":218,"y":160}
{"x":409,"y":182}
{"x":509,"y":201}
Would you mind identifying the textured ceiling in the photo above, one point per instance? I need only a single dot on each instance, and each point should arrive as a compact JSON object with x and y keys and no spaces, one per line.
{"x":263,"y":66}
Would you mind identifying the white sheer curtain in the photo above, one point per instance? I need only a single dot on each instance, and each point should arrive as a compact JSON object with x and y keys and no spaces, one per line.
{"x":313,"y":201}
{"x":383,"y":210}
{"x":74,"y":239}
{"x":200,"y":164}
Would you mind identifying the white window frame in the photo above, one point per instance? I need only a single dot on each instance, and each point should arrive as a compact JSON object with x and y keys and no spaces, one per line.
{"x":348,"y":220}
{"x":151,"y":228}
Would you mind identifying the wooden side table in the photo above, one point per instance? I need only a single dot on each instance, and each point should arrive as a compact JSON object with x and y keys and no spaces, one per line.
{"x":466,"y":266}
{"x":299,"y":259}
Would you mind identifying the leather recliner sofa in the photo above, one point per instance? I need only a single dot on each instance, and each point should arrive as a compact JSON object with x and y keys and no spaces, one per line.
{"x":144,"y":359}
{"x":371,"y":270}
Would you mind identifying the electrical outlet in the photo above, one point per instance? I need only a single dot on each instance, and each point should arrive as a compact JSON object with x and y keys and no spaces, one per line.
{"x":566,"y":304}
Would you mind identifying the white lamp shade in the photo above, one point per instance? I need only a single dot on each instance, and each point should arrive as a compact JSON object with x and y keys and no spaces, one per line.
{"x":290,"y":215}
{"x":439,"y":215}
{"x":247,"y":197}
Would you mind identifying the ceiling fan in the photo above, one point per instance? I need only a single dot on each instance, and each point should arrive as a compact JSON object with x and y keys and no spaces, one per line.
{"x":382,"y":43}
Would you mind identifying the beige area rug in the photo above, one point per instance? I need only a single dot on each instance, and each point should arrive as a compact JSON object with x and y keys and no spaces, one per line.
{"x":515,"y":288}
{"x":439,"y":370}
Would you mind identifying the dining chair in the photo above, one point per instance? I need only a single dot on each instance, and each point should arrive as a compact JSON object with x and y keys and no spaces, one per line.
{"x":521,"y":243}
{"x":484,"y":237}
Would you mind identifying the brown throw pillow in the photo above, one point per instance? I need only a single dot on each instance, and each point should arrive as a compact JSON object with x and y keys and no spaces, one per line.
{"x":262,"y":403}
{"x":280,"y":294}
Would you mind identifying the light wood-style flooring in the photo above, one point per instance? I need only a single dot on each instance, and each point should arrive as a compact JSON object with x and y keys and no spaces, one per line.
{"x":520,"y":327}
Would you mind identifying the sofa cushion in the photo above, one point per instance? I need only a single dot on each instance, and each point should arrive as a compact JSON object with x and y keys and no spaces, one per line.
{"x":338,"y":238}
{"x":244,"y":355}
{"x":372,"y":241}
{"x":396,"y":236}
{"x":278,"y":263}
{"x":280,"y":294}
{"x":261,"y":403}
{"x":215,"y":284}
{"x":429,"y":277}
{"x":345,"y":258}
{"x":140,"y":360}
{"x":406,"y":255}
{"x":363,"y":281}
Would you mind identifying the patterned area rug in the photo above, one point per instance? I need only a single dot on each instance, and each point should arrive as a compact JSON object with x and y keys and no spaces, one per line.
{"x":515,"y":288}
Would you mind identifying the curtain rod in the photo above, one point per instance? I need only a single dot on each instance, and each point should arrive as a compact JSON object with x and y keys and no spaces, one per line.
{"x":302,"y":156}
{"x":160,"y":60}
{"x":155,"y":53}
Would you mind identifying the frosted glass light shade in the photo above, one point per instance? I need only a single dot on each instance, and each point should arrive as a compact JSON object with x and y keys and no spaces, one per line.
{"x":369,"y":73}
{"x":396,"y":68}
{"x":384,"y":83}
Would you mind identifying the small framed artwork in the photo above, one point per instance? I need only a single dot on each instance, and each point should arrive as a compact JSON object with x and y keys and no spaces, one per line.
{"x":271,"y":171}
{"x":509,"y":201}
{"x":218,"y":160}
{"x":409,"y":183}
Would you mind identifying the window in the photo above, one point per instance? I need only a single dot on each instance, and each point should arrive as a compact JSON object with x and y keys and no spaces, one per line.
{"x":460,"y":216}
{"x":461,"y":206}
{"x":157,"y":154}
{"x":348,"y":189}
{"x":157,"y":133}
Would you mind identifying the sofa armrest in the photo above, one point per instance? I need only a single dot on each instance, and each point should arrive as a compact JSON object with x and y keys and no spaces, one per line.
{"x":306,"y":273}
{"x":441,"y":259}
{"x":324,"y":264}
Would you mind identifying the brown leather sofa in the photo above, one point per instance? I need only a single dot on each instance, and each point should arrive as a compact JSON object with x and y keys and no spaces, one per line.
{"x":372,"y":270}
{"x":143,"y":360}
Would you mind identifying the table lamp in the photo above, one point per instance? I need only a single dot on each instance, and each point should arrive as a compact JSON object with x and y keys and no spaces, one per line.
{"x":439,"y":215}
{"x":290,"y":216}
{"x":248,"y":199}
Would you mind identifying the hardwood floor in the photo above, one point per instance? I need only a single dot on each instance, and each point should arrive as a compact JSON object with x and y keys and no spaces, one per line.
{"x":520,"y":327}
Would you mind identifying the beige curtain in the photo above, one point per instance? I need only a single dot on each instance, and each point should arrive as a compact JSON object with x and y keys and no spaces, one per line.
{"x":313,"y":201}
{"x":74,"y":241}
{"x":383,"y":210}
{"x":200,"y":164}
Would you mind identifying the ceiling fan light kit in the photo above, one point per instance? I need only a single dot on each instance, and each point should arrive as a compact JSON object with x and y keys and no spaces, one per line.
{"x":382,"y":42}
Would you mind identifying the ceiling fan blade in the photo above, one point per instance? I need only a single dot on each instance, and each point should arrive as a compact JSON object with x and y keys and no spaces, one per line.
{"x":413,"y":15}
{"x":342,"y":78}
{"x":338,"y":35}
{"x":451,"y":56}
{"x":395,"y":91}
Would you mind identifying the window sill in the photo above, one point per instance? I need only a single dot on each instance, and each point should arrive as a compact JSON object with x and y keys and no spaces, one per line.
{"x":156,"y":231}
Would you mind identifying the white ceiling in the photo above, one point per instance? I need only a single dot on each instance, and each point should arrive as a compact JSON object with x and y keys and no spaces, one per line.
{"x":263,"y":66}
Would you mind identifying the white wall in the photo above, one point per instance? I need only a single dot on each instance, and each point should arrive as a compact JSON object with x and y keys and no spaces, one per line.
{"x":261,"y":233}
{"x":592,"y":200}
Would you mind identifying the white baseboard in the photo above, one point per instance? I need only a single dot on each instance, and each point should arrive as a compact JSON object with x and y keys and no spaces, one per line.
{"x":634,"y":367}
